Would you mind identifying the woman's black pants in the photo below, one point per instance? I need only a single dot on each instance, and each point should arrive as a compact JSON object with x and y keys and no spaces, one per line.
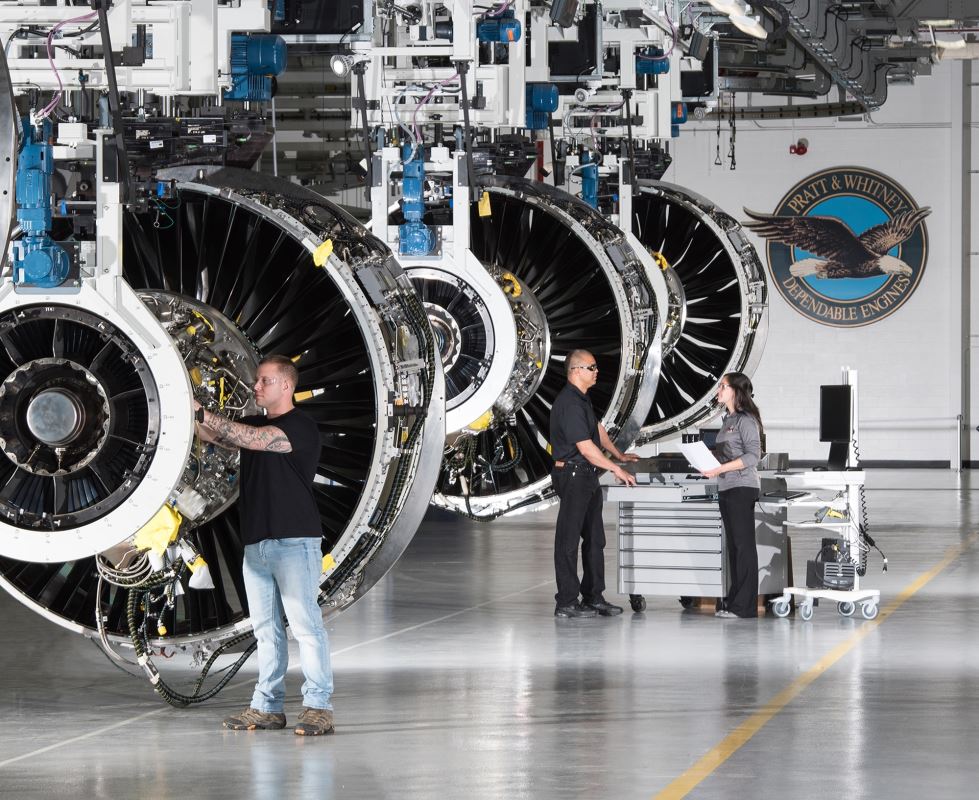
{"x":738,"y":514}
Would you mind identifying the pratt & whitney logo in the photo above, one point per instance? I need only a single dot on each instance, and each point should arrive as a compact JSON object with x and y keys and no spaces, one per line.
{"x":846,"y":246}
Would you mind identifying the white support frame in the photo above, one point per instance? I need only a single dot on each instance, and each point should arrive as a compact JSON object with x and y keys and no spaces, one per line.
{"x":191,"y":45}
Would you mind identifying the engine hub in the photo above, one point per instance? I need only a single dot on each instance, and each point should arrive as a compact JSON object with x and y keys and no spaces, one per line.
{"x":55,"y":416}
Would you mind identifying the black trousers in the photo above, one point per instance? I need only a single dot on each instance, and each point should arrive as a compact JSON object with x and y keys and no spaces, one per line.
{"x":579,"y":517}
{"x":738,"y":514}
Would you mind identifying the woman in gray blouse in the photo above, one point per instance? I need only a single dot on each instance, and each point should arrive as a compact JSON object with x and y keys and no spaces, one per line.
{"x":739,"y":448}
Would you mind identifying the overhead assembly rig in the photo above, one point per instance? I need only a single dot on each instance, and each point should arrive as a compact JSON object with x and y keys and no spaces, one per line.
{"x":513,"y":156}
{"x":452,"y":101}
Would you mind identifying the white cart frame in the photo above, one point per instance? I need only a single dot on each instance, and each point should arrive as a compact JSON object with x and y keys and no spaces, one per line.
{"x":849,"y":482}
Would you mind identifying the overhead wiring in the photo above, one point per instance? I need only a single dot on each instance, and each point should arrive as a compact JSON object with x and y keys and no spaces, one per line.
{"x":431,"y":93}
{"x":46,"y":111}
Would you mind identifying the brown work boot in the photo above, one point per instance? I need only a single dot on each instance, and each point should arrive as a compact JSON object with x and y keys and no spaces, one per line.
{"x":315,"y":722}
{"x":252,"y":718}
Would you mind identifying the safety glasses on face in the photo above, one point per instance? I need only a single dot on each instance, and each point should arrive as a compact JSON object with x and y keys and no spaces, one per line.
{"x":264,"y":381}
{"x":589,"y":367}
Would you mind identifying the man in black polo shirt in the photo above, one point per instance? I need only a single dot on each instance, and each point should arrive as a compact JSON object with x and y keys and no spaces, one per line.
{"x":576,"y":441}
{"x":281,"y":531}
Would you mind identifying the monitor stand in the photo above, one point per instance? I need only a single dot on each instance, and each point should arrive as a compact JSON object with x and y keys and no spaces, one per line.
{"x":838,"y":452}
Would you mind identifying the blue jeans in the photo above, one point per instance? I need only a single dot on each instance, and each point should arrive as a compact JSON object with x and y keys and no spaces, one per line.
{"x":282,"y":576}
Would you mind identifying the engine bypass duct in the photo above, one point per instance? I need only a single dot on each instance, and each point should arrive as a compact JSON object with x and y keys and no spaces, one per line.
{"x":8,"y":142}
{"x":715,"y":308}
{"x":563,"y":278}
{"x":239,"y":265}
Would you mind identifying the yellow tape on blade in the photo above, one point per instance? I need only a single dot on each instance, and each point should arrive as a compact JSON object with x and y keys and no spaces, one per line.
{"x":328,"y":562}
{"x":484,"y":205}
{"x":323,"y":252}
{"x":160,"y":531}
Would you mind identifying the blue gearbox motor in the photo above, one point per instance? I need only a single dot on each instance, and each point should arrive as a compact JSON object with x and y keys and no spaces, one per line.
{"x":37,"y":259}
{"x":415,"y":238}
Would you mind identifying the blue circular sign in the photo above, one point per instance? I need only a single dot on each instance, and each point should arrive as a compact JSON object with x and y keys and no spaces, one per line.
{"x":846,"y":246}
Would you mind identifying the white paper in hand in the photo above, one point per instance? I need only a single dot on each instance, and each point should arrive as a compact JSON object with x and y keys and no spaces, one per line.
{"x":699,"y":456}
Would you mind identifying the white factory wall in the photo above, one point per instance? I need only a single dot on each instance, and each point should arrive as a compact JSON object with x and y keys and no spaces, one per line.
{"x":908,"y":363}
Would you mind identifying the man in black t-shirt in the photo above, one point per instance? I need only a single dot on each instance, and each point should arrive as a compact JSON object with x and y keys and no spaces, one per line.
{"x":576,"y":441}
{"x":281,"y":531}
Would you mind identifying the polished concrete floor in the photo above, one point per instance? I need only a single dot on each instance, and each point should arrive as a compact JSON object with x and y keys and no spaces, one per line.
{"x":454,"y":680}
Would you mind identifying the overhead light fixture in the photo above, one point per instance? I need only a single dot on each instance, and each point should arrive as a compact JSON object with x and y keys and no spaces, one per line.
{"x":728,"y":7}
{"x":750,"y":25}
{"x":939,"y":23}
{"x":341,"y":64}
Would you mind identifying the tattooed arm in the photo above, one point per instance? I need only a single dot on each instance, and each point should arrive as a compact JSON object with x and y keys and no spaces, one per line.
{"x":226,"y":433}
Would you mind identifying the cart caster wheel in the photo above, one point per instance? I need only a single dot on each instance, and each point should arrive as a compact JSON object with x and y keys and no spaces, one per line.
{"x":869,"y":610}
{"x":781,"y":608}
{"x":846,"y":608}
{"x":638,"y":602}
{"x":805,"y":611}
{"x":687,"y":602}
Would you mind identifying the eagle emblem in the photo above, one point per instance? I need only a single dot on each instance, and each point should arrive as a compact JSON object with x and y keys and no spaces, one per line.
{"x":839,"y":252}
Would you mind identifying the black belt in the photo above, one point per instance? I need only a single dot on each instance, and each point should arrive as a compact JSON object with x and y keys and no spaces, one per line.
{"x":574,"y":465}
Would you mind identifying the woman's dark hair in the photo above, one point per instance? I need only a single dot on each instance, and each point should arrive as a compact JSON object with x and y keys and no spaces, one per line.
{"x":743,"y":401}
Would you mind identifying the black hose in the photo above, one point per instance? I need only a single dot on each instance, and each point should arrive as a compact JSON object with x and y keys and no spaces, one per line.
{"x":141,"y":646}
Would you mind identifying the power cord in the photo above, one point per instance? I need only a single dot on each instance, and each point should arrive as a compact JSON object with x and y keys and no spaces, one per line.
{"x":864,"y":526}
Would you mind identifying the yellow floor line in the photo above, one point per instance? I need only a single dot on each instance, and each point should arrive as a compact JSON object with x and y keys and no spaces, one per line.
{"x":741,"y":735}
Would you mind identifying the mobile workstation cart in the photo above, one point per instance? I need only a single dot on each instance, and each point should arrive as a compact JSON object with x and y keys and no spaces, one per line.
{"x":671,"y":538}
{"x":844,"y":513}
{"x":843,"y":524}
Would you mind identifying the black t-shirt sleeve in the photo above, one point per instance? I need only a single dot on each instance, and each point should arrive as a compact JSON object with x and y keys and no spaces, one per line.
{"x":301,"y":432}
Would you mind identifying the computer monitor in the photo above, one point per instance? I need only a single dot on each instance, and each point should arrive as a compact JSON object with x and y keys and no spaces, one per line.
{"x":836,"y":423}
{"x":835,"y":418}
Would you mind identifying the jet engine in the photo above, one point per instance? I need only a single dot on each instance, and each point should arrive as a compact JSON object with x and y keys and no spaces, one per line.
{"x":235,"y":265}
{"x":716,"y":305}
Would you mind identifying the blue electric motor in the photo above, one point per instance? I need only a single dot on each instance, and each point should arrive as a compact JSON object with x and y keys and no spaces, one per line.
{"x":37,"y":259}
{"x":254,"y":61}
{"x":415,"y":238}
{"x":652,"y":62}
{"x":503,"y":29}
{"x":541,"y":100}
{"x":589,"y":179}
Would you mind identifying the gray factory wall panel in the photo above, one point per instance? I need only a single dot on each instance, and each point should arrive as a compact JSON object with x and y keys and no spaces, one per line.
{"x":908,"y":361}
